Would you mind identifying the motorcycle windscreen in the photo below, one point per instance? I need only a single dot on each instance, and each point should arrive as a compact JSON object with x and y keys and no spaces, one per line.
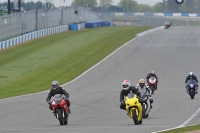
{"x":130,"y":95}
{"x":191,"y":83}
{"x":57,"y":98}
{"x":152,"y":80}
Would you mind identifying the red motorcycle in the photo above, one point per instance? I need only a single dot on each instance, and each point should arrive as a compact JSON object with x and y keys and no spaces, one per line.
{"x":152,"y":82}
{"x":60,"y":109}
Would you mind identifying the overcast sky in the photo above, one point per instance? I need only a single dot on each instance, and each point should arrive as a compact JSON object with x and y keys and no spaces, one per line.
{"x":68,"y":2}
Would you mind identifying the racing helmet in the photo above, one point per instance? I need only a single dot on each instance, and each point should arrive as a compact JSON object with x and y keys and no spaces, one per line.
{"x":126,"y":84}
{"x":153,"y":72}
{"x":141,"y":83}
{"x":55,"y":84}
{"x":191,"y":74}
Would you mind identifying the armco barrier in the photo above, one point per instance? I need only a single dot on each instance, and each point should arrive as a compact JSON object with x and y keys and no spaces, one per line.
{"x":31,"y":36}
{"x":168,"y":14}
{"x":158,"y":14}
{"x":185,"y":14}
{"x":77,"y":26}
{"x":93,"y":24}
{"x":148,"y":14}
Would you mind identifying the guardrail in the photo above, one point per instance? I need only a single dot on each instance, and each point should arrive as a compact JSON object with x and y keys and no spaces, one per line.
{"x":157,"y":14}
{"x":32,"y":35}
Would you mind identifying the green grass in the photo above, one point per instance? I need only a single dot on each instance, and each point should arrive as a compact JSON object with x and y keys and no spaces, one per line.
{"x":31,"y":67}
{"x":184,"y":130}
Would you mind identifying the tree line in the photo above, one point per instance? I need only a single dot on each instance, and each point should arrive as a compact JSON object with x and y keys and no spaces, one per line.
{"x":28,"y":5}
{"x":192,"y":6}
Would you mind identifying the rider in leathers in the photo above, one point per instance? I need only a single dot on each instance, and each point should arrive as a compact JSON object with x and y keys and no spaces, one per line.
{"x":125,"y":91}
{"x":142,"y":86}
{"x":57,"y":90}
{"x":152,"y":74}
{"x":193,"y":77}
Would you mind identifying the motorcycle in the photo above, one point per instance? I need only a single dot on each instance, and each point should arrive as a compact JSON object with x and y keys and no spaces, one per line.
{"x":192,"y":88}
{"x":168,"y":25}
{"x":134,"y":108}
{"x":152,"y":82}
{"x":60,"y":109}
{"x":146,"y":104}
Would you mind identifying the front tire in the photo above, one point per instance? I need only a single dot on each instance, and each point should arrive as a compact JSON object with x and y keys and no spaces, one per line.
{"x":152,"y":89}
{"x":135,"y":117}
{"x":66,"y":121}
{"x":192,"y":93}
{"x":143,"y":111}
{"x":60,"y":117}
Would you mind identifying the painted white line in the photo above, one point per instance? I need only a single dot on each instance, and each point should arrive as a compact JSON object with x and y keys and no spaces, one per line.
{"x":81,"y":128}
{"x":149,"y":31}
{"x":166,"y":129}
{"x":189,"y":119}
{"x":184,"y":123}
{"x":86,"y":70}
{"x":193,"y":125}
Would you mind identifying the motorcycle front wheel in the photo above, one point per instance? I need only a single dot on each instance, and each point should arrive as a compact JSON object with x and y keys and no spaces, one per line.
{"x":60,"y":117}
{"x":135,"y":117}
{"x":192,"y":94}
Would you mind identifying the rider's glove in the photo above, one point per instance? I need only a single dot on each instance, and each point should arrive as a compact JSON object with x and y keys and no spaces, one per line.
{"x":122,"y":102}
{"x":49,"y":102}
{"x":141,"y":100}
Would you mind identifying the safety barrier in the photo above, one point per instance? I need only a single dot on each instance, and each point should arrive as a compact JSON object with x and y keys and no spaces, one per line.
{"x":98,"y":23}
{"x":77,"y":26}
{"x":157,"y":14}
{"x":31,"y":36}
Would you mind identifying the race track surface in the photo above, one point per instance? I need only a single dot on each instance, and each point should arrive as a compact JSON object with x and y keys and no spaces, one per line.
{"x":95,"y":108}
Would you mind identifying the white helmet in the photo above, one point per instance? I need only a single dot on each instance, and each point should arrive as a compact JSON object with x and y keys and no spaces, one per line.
{"x":126,"y":84}
{"x":55,"y":84}
{"x":191,"y":74}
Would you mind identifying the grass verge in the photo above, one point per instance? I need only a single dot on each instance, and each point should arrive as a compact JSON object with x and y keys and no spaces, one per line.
{"x":185,"y":129}
{"x":31,"y":67}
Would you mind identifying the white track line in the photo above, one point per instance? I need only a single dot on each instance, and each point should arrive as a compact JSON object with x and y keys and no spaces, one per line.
{"x":184,"y":123}
{"x":143,"y":33}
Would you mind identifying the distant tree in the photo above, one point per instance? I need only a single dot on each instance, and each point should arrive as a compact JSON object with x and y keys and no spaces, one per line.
{"x":158,"y":7}
{"x":129,"y":5}
{"x":145,"y":8}
{"x":115,"y":9}
{"x":106,"y":2}
{"x":85,"y":3}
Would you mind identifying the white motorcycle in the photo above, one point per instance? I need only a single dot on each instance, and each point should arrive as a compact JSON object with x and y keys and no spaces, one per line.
{"x":146,"y":104}
{"x":152,"y":82}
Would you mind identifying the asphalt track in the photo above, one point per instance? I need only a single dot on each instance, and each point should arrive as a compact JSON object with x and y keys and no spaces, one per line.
{"x":171,"y":53}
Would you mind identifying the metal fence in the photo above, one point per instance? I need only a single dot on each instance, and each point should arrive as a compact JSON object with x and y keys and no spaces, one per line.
{"x":139,"y":20}
{"x":21,"y":23}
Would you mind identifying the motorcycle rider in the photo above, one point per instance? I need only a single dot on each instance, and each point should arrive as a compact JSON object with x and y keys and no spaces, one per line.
{"x":57,"y":90}
{"x":125,"y":91}
{"x":152,"y":74}
{"x":144,"y":87}
{"x":193,"y":77}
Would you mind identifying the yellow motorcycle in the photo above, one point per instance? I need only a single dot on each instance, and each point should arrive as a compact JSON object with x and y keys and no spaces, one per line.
{"x":134,"y":108}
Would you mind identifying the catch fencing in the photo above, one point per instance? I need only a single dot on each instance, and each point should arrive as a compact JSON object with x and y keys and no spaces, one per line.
{"x":18,"y":24}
